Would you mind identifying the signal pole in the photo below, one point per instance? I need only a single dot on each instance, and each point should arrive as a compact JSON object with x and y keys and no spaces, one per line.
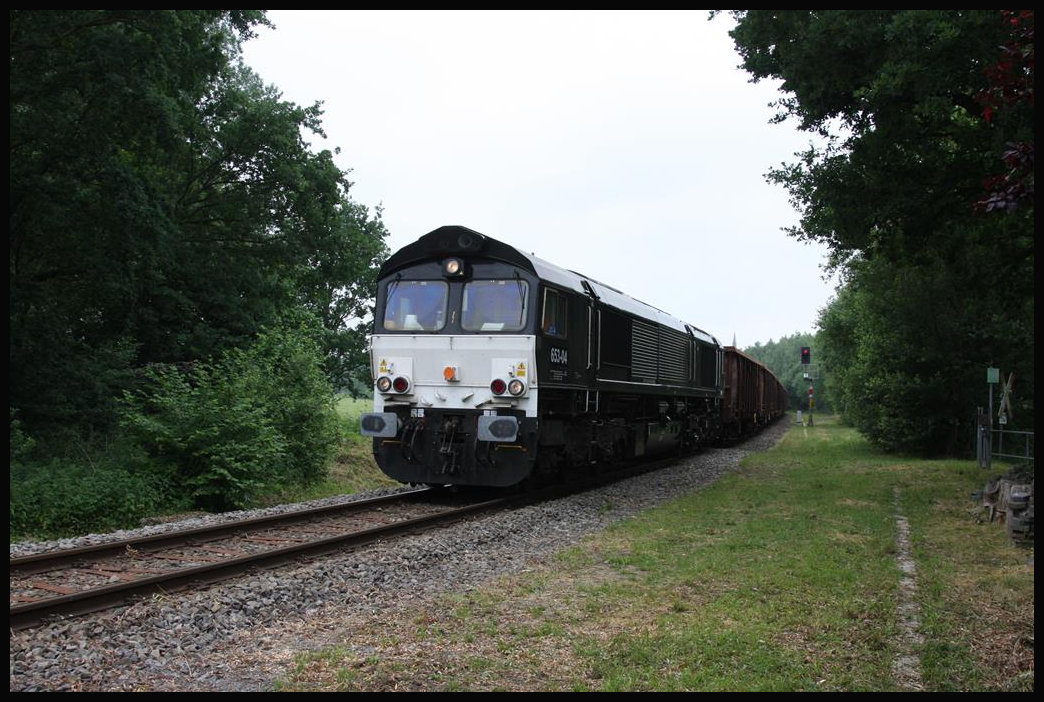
{"x":806,"y":361}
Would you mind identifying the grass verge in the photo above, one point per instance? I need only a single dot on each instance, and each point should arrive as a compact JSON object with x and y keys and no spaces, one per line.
{"x":783,"y":576}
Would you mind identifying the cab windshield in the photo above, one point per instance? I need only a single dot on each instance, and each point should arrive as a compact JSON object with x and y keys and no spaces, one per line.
{"x":494,"y":305}
{"x":416,"y":305}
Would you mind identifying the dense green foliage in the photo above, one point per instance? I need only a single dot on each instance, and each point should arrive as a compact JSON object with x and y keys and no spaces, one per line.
{"x":923,"y":191}
{"x":260,"y":418}
{"x":54,"y":494}
{"x":166,"y":210}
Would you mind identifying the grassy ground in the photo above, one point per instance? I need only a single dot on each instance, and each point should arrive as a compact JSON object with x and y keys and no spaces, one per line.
{"x":788,"y":575}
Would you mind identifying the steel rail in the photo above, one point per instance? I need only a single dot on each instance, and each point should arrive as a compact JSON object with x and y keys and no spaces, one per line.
{"x":27,"y":614}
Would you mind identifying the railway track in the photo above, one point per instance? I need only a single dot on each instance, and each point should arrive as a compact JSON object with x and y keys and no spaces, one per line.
{"x":78,"y":581}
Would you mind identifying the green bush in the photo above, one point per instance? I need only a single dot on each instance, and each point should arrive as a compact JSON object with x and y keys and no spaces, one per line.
{"x":20,"y":444}
{"x":214,"y":436}
{"x":72,"y":489}
{"x":68,"y":498}
{"x":259,"y":419}
{"x":286,"y":369}
{"x":205,"y":427}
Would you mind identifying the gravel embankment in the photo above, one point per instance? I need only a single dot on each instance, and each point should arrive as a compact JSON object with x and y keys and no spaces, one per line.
{"x":237,"y":636}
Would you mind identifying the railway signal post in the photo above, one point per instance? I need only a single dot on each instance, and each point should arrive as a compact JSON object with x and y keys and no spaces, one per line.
{"x":806,"y":361}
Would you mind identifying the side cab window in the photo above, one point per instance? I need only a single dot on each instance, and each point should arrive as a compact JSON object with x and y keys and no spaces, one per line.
{"x":555,"y":314}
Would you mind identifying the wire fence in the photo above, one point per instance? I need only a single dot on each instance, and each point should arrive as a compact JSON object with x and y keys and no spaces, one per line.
{"x":1003,"y":443}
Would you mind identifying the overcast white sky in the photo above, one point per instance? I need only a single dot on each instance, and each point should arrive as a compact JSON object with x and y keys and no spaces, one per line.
{"x":625,"y":145}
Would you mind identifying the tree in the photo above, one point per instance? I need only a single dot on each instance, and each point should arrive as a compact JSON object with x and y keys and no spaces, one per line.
{"x":936,"y":287}
{"x":1010,"y":91}
{"x":164,"y":207}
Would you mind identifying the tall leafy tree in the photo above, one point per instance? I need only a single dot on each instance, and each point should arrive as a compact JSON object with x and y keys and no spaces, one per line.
{"x":937,"y":285}
{"x":93,"y":95}
{"x":164,"y":207}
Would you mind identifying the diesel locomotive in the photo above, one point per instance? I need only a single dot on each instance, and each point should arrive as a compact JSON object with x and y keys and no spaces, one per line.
{"x":492,"y":367}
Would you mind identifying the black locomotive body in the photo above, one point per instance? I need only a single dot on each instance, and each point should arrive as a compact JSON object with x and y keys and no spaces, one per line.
{"x":493,"y":366}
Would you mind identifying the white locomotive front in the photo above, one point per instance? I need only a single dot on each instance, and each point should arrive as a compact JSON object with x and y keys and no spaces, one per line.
{"x":453,"y":356}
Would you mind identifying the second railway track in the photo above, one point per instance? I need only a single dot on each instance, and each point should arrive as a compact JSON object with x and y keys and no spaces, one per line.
{"x":77,"y":581}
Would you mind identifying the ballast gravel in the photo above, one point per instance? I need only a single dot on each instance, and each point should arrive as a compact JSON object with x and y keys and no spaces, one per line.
{"x":197,"y":641}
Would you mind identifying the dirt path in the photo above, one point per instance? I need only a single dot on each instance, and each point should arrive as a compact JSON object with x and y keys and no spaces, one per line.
{"x":907,"y":666}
